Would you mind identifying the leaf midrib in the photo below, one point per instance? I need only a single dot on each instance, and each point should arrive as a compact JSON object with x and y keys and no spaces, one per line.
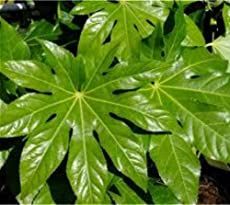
{"x":196,"y":90}
{"x":85,"y":150}
{"x":179,"y":168}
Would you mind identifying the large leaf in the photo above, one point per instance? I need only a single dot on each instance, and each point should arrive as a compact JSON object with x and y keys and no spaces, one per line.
{"x":12,"y":46}
{"x":177,"y":165}
{"x":126,"y":21}
{"x":196,"y":91}
{"x":61,"y":110}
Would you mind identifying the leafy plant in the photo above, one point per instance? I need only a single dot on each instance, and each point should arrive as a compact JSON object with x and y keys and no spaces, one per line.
{"x":140,"y":89}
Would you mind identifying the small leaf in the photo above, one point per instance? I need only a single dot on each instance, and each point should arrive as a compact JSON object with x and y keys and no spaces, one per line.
{"x":11,"y":45}
{"x":41,"y":30}
{"x":66,"y":18}
{"x":194,"y":36}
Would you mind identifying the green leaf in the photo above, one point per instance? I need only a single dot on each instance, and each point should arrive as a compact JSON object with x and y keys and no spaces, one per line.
{"x":12,"y":46}
{"x":2,"y":105}
{"x":80,"y":72}
{"x":177,"y":165}
{"x":27,"y":199}
{"x":126,"y":194}
{"x":44,"y":196}
{"x":194,"y":36}
{"x":66,"y":18}
{"x":41,"y":30}
{"x":226,"y":16}
{"x":153,"y":46}
{"x":161,"y":194}
{"x":126,"y":22}
{"x":3,"y":157}
{"x":196,"y":91}
{"x":47,"y":118}
{"x":174,"y":39}
{"x":221,"y":46}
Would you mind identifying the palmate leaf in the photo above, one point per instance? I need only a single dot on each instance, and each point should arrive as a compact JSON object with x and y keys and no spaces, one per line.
{"x":126,"y":21}
{"x":61,"y":112}
{"x":195,"y":90}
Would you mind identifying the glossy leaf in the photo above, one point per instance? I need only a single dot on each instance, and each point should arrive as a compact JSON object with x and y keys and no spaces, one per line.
{"x":49,"y":116}
{"x":126,"y":22}
{"x":196,"y":91}
{"x":177,"y":165}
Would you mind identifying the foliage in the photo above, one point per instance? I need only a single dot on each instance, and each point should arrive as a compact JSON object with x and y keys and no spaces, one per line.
{"x":142,"y":88}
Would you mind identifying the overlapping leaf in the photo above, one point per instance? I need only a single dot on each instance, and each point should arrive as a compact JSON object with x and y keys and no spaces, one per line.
{"x":196,"y":90}
{"x":126,"y":21}
{"x":60,"y":110}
